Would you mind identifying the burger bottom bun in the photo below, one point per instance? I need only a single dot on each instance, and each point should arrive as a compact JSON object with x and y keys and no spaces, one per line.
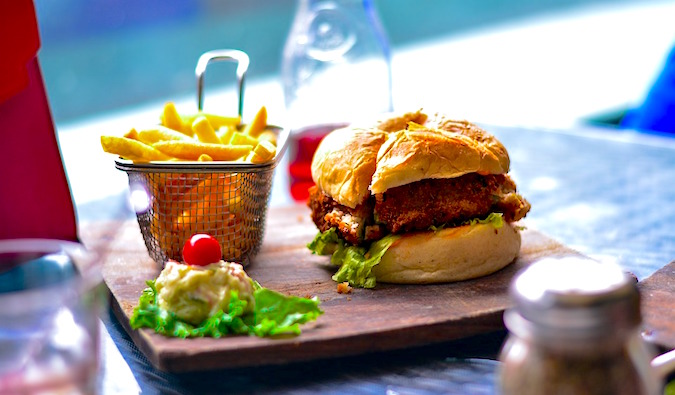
{"x":452,"y":254}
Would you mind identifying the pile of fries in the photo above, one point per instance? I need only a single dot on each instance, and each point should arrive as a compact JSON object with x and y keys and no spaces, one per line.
{"x":185,"y":204}
{"x":196,"y":137}
{"x":229,"y":206}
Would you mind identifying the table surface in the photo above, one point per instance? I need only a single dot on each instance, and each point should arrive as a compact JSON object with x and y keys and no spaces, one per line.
{"x":603,"y":192}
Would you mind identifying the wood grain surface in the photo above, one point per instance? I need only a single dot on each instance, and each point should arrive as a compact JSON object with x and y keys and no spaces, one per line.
{"x":385,"y":318}
{"x":658,"y":307}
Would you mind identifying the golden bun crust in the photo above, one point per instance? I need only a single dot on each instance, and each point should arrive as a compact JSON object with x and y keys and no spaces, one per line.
{"x":341,"y":173}
{"x":394,"y":123}
{"x":353,"y":162}
{"x":472,"y":131}
{"x":452,"y":254}
{"x":390,"y":122}
{"x":413,"y":155}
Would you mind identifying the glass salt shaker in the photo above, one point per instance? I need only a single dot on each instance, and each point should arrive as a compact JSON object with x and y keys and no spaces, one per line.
{"x":575,"y":329}
{"x":336,"y":68}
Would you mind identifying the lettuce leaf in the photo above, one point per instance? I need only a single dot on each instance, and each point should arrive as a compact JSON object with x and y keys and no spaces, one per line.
{"x":274,"y":314}
{"x":356,"y":263}
{"x":326,"y":243}
{"x":494,"y":219}
{"x":277,"y":314}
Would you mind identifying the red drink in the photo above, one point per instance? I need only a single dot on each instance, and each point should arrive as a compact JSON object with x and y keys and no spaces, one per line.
{"x":302,"y":145}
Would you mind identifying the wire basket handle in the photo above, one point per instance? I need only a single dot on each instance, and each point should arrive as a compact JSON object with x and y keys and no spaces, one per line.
{"x":218,"y":55}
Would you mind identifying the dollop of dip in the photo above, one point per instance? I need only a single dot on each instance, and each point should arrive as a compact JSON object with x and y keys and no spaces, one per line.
{"x":194,"y":293}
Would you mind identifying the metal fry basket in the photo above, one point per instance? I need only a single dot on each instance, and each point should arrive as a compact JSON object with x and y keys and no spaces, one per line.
{"x":228,"y":200}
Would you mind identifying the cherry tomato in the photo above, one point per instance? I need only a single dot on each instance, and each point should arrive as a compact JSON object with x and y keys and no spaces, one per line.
{"x":202,"y":249}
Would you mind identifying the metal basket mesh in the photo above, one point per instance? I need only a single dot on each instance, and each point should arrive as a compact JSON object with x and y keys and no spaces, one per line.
{"x":229,"y":206}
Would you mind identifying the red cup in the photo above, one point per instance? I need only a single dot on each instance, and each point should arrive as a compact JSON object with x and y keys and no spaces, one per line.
{"x":302,"y":145}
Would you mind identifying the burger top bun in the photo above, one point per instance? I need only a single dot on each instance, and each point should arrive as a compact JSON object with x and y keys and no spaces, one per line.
{"x":413,"y":155}
{"x":344,"y":163}
{"x":394,"y":123}
{"x":451,"y":254}
{"x":476,"y":133}
{"x":352,"y":162}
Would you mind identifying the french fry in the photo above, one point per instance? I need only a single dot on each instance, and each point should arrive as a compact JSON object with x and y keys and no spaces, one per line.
{"x":262,"y":152}
{"x":213,"y":211}
{"x":216,"y":121}
{"x":160,"y":133}
{"x":258,"y":124}
{"x":131,"y":149}
{"x":265,"y":150}
{"x":225,"y":134}
{"x":190,"y":150}
{"x":252,"y":157}
{"x":131,"y":134}
{"x":204,"y":131}
{"x":232,"y":195}
{"x":243,"y":139}
{"x":268,"y":135}
{"x":169,"y":190}
{"x":205,"y":209}
{"x":184,"y":204}
{"x":172,"y":120}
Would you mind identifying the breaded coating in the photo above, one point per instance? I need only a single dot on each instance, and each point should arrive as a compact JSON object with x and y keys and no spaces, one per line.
{"x":514,"y":207}
{"x":418,"y":206}
{"x":437,"y":202}
{"x":349,"y":222}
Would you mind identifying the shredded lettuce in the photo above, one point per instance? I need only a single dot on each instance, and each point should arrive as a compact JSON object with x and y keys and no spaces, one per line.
{"x":356,"y":263}
{"x":325,"y":243}
{"x":274,"y":314}
{"x":494,"y":219}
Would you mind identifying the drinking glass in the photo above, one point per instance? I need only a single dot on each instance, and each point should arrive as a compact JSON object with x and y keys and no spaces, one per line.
{"x":50,"y":299}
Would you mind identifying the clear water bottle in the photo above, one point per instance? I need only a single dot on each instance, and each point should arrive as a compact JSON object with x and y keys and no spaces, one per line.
{"x":336,"y":68}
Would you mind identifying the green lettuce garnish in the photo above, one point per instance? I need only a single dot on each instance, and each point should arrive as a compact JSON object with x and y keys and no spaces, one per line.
{"x":670,"y":388}
{"x":356,"y":263}
{"x":494,"y":219}
{"x":274,"y":314}
{"x":326,"y":243}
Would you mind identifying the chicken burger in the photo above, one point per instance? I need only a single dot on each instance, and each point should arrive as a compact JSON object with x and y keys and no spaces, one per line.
{"x":414,"y":199}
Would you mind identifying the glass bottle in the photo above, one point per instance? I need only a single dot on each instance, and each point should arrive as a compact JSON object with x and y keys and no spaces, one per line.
{"x":575,"y":329}
{"x":336,"y":68}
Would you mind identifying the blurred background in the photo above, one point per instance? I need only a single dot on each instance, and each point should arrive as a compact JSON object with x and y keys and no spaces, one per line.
{"x":549,"y":63}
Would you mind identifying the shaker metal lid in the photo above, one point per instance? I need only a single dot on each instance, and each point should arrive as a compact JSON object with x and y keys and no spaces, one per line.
{"x":576,"y":293}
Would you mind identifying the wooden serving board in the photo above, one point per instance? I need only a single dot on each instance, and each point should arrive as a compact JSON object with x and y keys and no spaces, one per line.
{"x":384,"y":318}
{"x":658,"y":307}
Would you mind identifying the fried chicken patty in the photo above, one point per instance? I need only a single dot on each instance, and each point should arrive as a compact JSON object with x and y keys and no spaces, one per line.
{"x":351,"y":223}
{"x":420,"y":205}
{"x":436,"y":202}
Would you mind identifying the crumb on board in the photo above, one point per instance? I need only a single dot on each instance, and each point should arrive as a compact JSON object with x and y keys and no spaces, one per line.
{"x":344,"y":288}
{"x":301,"y":218}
